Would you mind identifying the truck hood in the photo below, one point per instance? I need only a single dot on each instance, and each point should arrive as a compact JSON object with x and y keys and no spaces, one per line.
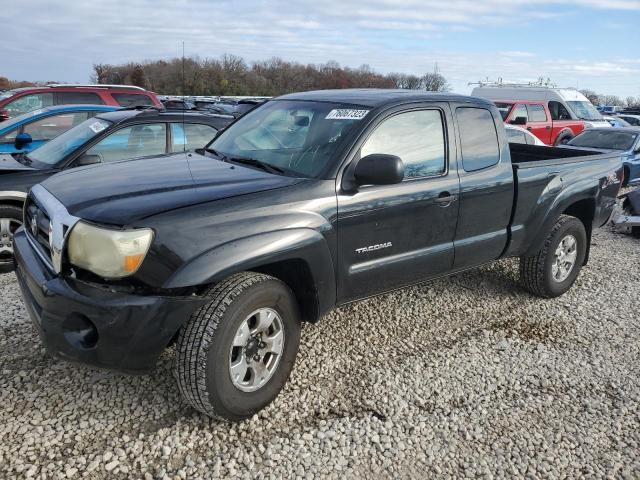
{"x":124,"y":192}
{"x":8,"y":164}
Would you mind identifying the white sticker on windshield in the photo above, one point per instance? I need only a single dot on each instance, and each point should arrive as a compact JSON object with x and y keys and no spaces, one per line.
{"x":97,"y":127}
{"x":346,"y":114}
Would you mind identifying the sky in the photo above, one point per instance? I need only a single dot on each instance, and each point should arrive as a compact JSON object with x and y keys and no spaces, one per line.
{"x":593,"y":44}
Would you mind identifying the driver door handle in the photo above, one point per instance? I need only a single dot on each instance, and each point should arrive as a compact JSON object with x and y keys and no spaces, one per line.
{"x":445,"y":199}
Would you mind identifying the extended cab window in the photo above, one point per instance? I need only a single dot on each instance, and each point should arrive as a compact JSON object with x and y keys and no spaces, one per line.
{"x":537,"y":113}
{"x":478,"y":138}
{"x":132,"y":142}
{"x":416,"y":137}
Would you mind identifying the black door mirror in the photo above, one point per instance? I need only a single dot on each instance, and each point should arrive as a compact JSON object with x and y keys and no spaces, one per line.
{"x":379,"y":169}
{"x":519,"y":121}
{"x":88,"y":160}
{"x":22,"y":139}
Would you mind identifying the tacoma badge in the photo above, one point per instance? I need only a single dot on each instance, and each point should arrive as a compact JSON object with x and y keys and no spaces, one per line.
{"x":371,"y":248}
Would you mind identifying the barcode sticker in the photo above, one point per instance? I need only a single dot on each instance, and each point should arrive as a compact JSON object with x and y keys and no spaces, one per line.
{"x":97,"y":127}
{"x":346,"y":114}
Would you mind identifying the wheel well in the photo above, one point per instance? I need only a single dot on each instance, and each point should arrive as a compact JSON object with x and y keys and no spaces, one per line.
{"x":566,"y":133}
{"x":584,"y":210}
{"x":297,"y":275}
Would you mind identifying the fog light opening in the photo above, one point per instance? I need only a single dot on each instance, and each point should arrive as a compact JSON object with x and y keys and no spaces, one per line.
{"x":80,"y":332}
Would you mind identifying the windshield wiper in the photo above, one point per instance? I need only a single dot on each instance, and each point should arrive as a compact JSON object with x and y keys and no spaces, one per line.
{"x":23,"y":158}
{"x":221,"y":156}
{"x":257,"y":163}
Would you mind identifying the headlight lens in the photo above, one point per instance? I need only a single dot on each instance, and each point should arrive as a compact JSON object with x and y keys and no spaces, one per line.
{"x":108,"y":253}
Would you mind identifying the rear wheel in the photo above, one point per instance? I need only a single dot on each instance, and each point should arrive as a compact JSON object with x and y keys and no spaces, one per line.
{"x":235,"y":354}
{"x":10,"y":221}
{"x":554,"y":268}
{"x":563,"y":137}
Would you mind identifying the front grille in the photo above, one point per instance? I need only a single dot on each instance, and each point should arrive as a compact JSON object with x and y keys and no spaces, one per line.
{"x":37,"y":225}
{"x":47,"y":223}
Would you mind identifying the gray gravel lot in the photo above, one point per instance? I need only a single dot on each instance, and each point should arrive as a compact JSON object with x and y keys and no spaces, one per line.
{"x":467,"y":376}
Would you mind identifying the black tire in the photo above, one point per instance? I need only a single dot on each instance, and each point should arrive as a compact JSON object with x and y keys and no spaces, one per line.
{"x":563,"y":138}
{"x":626,"y":174}
{"x":536,"y":270}
{"x":14,"y":214}
{"x":205,"y":341}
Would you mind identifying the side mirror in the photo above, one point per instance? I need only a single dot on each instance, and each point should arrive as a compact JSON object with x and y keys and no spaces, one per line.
{"x":379,"y":169}
{"x":519,"y":121}
{"x":22,"y":139}
{"x":85,"y":160}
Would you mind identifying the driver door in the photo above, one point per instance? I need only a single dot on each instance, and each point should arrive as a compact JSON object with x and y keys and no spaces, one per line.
{"x":394,"y":235}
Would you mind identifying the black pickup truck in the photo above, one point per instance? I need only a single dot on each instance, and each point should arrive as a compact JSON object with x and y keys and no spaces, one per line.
{"x":310,"y":201}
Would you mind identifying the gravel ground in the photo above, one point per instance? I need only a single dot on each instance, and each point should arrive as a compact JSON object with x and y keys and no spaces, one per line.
{"x":464,"y":377}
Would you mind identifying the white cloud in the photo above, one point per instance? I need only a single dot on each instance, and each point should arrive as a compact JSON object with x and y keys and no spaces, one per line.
{"x":62,"y":40}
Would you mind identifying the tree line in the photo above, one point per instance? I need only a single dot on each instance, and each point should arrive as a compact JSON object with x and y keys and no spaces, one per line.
{"x":614,"y":100}
{"x":232,"y":75}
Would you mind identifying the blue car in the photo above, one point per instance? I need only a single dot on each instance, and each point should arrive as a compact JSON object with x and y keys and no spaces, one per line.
{"x":31,"y":130}
{"x":625,"y":140}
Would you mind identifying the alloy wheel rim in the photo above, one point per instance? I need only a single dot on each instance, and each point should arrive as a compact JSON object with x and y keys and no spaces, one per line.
{"x":8,"y":227}
{"x":256,"y":351}
{"x":564,"y":258}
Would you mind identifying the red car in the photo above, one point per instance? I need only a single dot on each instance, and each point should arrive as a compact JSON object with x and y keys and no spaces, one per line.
{"x":553,"y":128}
{"x":22,"y":100}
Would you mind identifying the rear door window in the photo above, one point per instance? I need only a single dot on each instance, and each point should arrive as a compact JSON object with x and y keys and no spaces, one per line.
{"x":192,"y":136}
{"x":136,"y":141}
{"x":478,"y":138}
{"x":50,"y":127}
{"x":131,"y":99}
{"x":536,"y":113}
{"x":78,"y":98}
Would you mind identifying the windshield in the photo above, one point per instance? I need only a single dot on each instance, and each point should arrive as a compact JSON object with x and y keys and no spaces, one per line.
{"x":301,"y":138}
{"x":584,"y":110}
{"x":610,"y":140}
{"x":504,"y":109}
{"x":57,"y":149}
{"x":7,"y":124}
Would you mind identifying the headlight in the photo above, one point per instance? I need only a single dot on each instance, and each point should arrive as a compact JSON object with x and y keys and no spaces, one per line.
{"x":588,"y":125}
{"x":108,"y":253}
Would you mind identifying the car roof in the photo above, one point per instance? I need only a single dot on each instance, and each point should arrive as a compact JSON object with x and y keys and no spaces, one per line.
{"x":631,"y":129}
{"x":378,"y":97}
{"x":72,"y":86}
{"x":157,"y":114}
{"x":49,"y":111}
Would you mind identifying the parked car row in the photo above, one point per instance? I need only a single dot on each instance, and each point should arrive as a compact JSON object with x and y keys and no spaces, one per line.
{"x":23,"y":100}
{"x":309,"y":201}
{"x":554,"y":115}
{"x":227,"y":106}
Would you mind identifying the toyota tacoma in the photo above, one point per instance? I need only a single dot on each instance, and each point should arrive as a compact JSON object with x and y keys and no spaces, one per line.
{"x":310,"y":201}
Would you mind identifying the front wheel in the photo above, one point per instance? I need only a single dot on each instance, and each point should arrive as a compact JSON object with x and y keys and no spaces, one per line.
{"x":234,"y":355}
{"x":10,"y":221}
{"x":554,"y":268}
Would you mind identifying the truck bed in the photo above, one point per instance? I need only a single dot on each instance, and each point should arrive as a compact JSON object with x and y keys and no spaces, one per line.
{"x":521,"y":153}
{"x":546,"y":176}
